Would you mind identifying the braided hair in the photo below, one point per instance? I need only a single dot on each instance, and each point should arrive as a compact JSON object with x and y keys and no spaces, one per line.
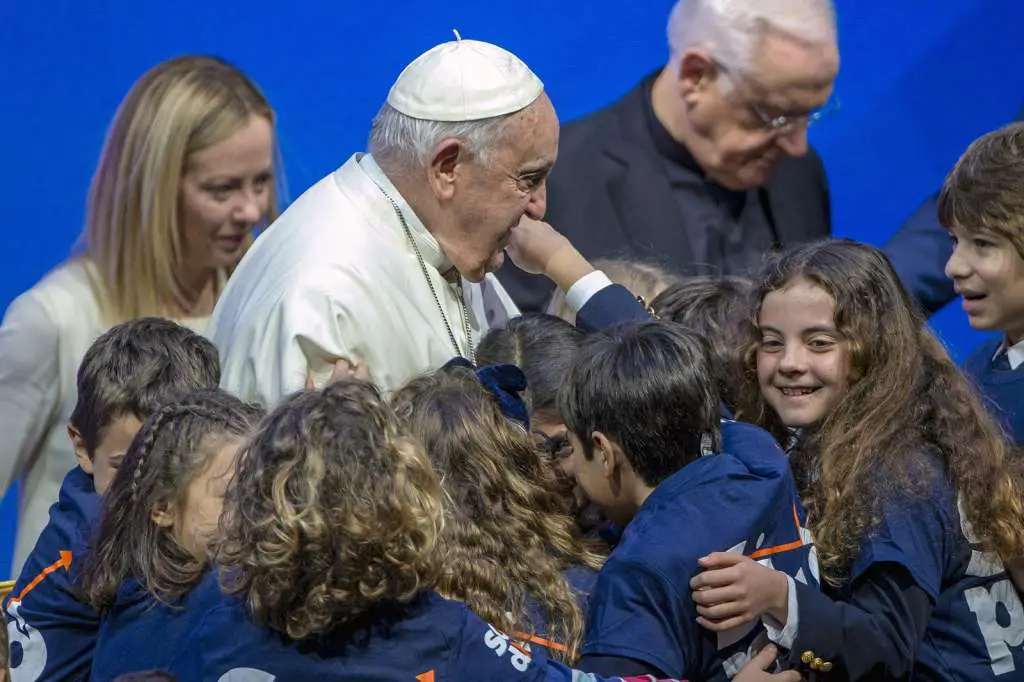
{"x":174,"y":446}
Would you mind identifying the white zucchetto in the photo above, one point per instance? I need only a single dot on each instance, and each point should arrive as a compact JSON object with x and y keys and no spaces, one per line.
{"x":464,"y":80}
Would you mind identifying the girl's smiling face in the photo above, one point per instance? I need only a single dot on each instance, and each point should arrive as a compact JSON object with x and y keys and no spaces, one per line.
{"x":802,"y":359}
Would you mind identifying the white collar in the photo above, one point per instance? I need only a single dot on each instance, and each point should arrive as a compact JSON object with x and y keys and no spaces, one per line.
{"x":428,"y":246}
{"x":1014,"y":353}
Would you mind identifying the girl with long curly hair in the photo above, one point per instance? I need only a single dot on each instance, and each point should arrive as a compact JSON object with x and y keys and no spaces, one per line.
{"x":329,"y":559}
{"x":159,"y":515}
{"x":512,"y":553}
{"x":911,"y":493}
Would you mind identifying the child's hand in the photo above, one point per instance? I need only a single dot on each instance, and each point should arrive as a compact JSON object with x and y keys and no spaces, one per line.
{"x":532,"y":243}
{"x":342,"y":369}
{"x":538,"y":248}
{"x":734,"y":589}
{"x":754,"y":670}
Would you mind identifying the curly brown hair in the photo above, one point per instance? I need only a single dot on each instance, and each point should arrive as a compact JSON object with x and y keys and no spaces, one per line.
{"x":173,"y":446}
{"x":906,"y":397}
{"x":507,"y":534}
{"x":333,"y":512}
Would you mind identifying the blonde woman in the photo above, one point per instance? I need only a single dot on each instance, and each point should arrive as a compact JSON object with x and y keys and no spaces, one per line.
{"x":187,"y":173}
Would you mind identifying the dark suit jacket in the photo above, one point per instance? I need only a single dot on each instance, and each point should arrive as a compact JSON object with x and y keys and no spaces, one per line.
{"x":918,"y":252}
{"x":609,"y":194}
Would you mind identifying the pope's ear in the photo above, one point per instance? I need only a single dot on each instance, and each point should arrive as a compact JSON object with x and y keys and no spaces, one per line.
{"x":448,"y":154}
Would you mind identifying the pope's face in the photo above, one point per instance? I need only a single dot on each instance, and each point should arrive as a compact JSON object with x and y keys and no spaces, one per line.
{"x":499,"y":190}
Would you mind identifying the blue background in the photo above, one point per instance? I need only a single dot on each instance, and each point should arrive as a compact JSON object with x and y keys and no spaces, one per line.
{"x":920,"y":79}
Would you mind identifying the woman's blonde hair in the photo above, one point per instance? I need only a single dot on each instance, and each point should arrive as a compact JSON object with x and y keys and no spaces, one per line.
{"x":132,"y":234}
{"x":507,"y":533}
{"x":333,"y":513}
{"x":641,"y":279}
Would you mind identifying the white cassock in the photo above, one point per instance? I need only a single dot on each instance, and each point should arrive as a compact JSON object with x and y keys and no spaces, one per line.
{"x":335,"y":277}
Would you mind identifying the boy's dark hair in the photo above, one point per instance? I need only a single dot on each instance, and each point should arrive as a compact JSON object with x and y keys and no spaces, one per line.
{"x":985,"y":189}
{"x":648,"y":387}
{"x":541,"y":345}
{"x":147,"y":676}
{"x":134,"y":368}
{"x":717,"y":308}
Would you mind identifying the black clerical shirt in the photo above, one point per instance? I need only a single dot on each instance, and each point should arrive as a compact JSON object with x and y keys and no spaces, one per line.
{"x":730,"y":231}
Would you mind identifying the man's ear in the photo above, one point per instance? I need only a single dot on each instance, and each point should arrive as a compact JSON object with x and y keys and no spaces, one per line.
{"x":81,"y":452}
{"x":697,"y":72}
{"x":448,"y":154}
{"x":163,"y":514}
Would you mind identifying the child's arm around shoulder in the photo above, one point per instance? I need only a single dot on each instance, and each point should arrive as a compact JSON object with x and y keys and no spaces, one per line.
{"x":875,"y":631}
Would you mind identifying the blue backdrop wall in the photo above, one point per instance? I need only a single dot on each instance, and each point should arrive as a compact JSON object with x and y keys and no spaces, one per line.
{"x":919,"y":80}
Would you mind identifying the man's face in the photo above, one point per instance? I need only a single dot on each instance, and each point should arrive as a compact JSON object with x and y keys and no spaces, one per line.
{"x":734,"y":113}
{"x":496,"y":194}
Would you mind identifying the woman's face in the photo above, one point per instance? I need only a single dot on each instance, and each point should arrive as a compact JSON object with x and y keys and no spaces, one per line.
{"x":225,"y":193}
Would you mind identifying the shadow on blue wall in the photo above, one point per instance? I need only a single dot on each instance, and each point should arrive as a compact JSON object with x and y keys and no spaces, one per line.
{"x":919,"y":81}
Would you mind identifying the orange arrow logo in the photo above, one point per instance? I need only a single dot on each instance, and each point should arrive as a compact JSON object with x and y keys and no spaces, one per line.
{"x":425,"y":677}
{"x":63,"y":562}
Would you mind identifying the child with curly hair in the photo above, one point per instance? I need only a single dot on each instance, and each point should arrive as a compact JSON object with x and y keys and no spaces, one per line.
{"x":512,"y":552}
{"x":911,"y":492}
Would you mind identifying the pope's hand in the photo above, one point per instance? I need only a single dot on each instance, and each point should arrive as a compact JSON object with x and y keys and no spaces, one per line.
{"x":533,"y":243}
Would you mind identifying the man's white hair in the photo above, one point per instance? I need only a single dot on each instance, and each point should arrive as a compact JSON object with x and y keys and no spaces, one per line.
{"x":401,"y":144}
{"x":730,"y":29}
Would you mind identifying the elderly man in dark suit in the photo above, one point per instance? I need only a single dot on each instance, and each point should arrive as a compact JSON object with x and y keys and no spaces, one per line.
{"x":705,"y":165}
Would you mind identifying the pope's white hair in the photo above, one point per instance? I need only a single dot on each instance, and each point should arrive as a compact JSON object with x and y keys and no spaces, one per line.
{"x":401,"y":144}
{"x":730,"y":29}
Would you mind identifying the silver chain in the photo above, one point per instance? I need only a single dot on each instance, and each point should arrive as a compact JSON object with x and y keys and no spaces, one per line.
{"x":464,"y":313}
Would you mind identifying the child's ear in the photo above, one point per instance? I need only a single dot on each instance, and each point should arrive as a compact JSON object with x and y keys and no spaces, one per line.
{"x":163,"y":514}
{"x":607,"y":452}
{"x":81,"y":452}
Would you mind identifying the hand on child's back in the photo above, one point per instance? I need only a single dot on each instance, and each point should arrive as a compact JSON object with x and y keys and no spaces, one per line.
{"x":733,"y":590}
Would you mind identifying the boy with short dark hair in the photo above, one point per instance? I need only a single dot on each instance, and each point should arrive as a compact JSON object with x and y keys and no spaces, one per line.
{"x":125,"y":375}
{"x":982,"y":206}
{"x":642,"y":407}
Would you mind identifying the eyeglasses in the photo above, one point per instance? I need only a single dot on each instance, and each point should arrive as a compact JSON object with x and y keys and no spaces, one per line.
{"x":556,"y":447}
{"x":786,"y":124}
{"x":780,"y":125}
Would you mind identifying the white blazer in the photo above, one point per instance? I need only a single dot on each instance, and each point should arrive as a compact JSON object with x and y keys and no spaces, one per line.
{"x":44,"y":335}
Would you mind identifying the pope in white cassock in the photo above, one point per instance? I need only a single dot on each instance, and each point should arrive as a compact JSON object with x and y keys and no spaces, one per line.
{"x":387,"y":260}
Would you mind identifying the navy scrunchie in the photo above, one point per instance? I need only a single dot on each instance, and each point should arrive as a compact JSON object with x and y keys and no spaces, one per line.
{"x":505,"y":383}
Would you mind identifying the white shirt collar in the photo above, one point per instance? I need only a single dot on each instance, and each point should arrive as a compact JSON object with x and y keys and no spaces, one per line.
{"x":1014,"y":353}
{"x":428,"y":246}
